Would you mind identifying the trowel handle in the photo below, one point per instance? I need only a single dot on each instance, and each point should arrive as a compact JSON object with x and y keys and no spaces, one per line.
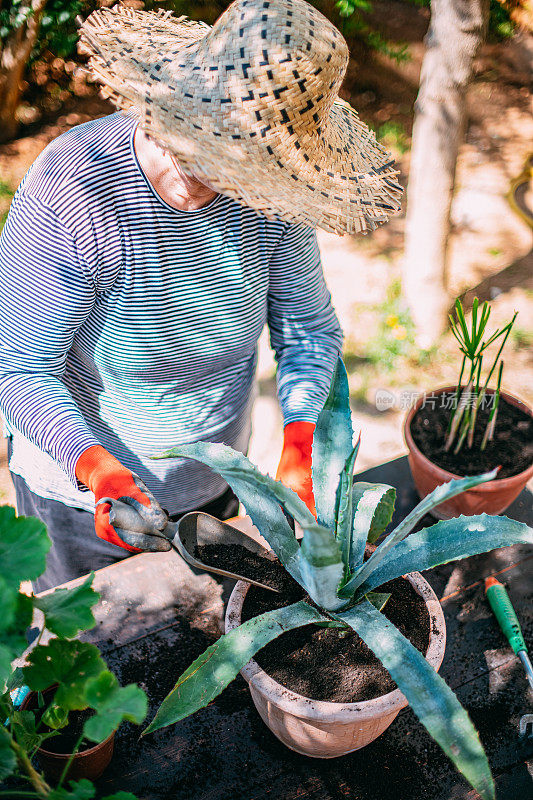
{"x":504,"y":612}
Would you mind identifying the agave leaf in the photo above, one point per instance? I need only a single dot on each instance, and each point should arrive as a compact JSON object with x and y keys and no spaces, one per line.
{"x":344,"y":515}
{"x":373,"y":508}
{"x":68,"y":611}
{"x":378,"y":599}
{"x":218,"y":666}
{"x":443,"y":492}
{"x":260,"y":494}
{"x":434,"y":703}
{"x":332,"y":445}
{"x":448,"y":540}
{"x":321,"y":566}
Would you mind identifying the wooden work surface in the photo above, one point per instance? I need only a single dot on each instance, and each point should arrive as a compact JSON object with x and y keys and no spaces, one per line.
{"x":155,"y":616}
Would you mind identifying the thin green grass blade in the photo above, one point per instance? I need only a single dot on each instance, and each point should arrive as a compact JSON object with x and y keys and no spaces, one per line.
{"x":260,"y":494}
{"x":443,"y":492}
{"x":462,"y":322}
{"x":434,"y":703}
{"x":321,"y":566}
{"x":448,"y":540}
{"x":332,"y":445}
{"x":211,"y":672}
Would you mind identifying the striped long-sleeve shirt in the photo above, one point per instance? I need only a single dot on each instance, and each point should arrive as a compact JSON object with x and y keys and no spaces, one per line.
{"x":127,"y":323}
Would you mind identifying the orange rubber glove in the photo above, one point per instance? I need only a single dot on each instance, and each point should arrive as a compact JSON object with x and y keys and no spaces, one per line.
{"x":106,"y":477}
{"x":294,"y":468}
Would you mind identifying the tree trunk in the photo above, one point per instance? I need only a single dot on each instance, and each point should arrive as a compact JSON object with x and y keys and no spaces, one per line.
{"x":13,"y":59}
{"x":456,"y":31}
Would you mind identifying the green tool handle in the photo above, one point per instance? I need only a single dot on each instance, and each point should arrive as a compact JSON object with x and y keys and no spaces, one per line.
{"x":504,"y":613}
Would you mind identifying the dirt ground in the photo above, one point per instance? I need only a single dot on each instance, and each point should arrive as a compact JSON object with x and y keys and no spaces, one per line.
{"x":490,"y":249}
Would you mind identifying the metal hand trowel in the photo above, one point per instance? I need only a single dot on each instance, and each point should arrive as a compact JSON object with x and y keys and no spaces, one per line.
{"x":193,"y":530}
{"x":198,"y":529}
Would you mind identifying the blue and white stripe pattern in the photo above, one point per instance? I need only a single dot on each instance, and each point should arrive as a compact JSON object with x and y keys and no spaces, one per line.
{"x":127,"y":323}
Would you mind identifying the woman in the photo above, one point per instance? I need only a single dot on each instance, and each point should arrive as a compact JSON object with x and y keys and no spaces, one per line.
{"x":136,"y":278}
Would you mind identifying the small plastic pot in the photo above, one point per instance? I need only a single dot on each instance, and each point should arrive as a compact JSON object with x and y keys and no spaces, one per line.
{"x":88,"y":764}
{"x":322,"y":729}
{"x":493,"y":497}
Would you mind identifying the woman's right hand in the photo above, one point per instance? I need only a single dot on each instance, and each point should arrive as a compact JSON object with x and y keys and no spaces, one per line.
{"x":106,"y":477}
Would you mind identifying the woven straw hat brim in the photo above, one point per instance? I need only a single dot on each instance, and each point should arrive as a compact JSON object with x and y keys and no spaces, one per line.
{"x":339,"y":178}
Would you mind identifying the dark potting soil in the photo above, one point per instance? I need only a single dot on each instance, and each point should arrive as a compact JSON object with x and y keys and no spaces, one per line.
{"x":512,"y":446}
{"x":322,"y":663}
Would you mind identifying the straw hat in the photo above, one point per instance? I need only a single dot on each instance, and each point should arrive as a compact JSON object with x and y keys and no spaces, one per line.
{"x":250,"y":106}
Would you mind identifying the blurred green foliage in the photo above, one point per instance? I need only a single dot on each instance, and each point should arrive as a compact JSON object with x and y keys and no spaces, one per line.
{"x":6,"y":195}
{"x":394,"y":336}
{"x":58,"y":32}
{"x":392,"y":134}
{"x":501,"y":25}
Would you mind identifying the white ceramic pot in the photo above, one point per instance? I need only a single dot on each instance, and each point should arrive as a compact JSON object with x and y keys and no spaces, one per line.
{"x":322,"y":729}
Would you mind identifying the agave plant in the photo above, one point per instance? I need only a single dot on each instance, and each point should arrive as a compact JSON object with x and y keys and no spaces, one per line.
{"x":329,"y":565}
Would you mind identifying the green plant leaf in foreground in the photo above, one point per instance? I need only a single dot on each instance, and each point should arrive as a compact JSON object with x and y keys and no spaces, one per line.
{"x":24,"y":544}
{"x":79,"y":790}
{"x":24,"y":729}
{"x":332,"y":445}
{"x":69,"y":663}
{"x":68,"y":611}
{"x":84,"y":790}
{"x":434,"y":703}
{"x":16,"y":617}
{"x":321,"y":566}
{"x":218,"y":666}
{"x":260,"y":494}
{"x":113,"y":704}
{"x":8,"y":761}
{"x":55,"y":717}
{"x":448,"y":540}
{"x":443,"y":492}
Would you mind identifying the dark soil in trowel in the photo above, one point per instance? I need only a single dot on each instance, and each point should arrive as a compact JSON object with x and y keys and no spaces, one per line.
{"x":241,"y":561}
{"x":324,"y":663}
{"x":512,"y":446}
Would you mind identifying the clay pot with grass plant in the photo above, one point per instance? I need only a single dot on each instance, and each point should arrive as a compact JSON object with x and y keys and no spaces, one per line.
{"x":462,"y":430}
{"x":370,"y":621}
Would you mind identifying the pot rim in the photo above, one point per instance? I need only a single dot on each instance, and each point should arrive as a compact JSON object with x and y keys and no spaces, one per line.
{"x":490,"y":486}
{"x":81,"y":753}
{"x":307,"y":708}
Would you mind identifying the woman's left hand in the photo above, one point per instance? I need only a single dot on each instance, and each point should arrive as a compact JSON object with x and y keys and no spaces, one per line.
{"x":294,"y":468}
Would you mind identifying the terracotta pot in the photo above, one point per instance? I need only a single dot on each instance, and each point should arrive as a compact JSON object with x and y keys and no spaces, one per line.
{"x":489,"y":498}
{"x":86,"y":764}
{"x":322,"y":729}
